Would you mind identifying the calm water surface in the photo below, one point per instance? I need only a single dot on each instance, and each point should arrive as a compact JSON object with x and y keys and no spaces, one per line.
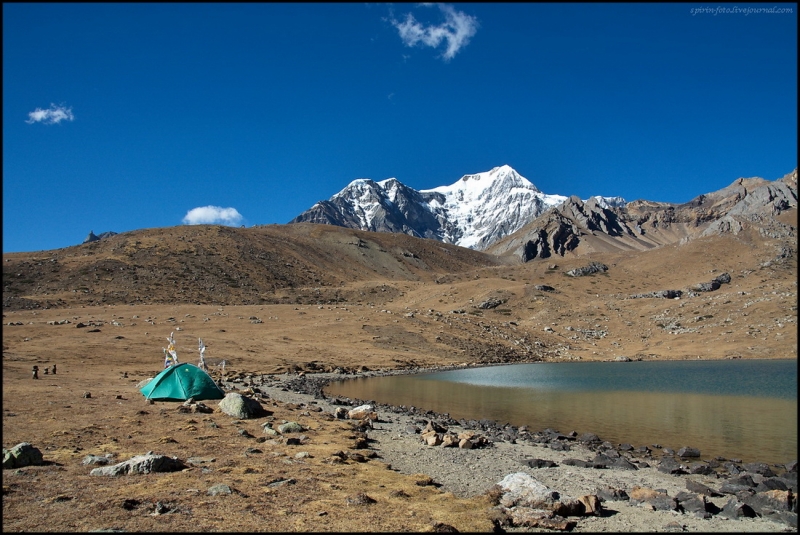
{"x":745,"y":409}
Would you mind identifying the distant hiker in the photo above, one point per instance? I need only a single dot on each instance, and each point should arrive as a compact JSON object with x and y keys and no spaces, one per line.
{"x":36,"y":372}
{"x":54,"y":369}
{"x":47,"y":370}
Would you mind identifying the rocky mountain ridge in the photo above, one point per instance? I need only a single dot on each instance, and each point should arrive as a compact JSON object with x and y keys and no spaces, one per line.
{"x":579,"y":227}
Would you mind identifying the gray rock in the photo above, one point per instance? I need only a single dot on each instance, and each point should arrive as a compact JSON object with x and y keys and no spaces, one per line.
{"x":759,"y":468}
{"x":744,"y":479}
{"x":732,"y":468}
{"x":735,"y":510}
{"x":687,"y":451}
{"x":611,"y":494}
{"x":660,"y":501}
{"x":699,"y":488}
{"x":696,"y":504}
{"x":141,"y":464}
{"x":219,"y":489}
{"x":771,"y":500}
{"x":700,"y":468}
{"x":613,"y":462}
{"x":522,"y":490}
{"x":668,"y":465}
{"x":668,"y":294}
{"x":290,"y":427}
{"x":97,"y":459}
{"x":593,"y":267}
{"x":787,"y":517}
{"x":582,"y":463}
{"x":733,"y":488}
{"x":281,"y":481}
{"x":540,"y":463}
{"x":23,"y":454}
{"x":242,"y":407}
{"x":725,"y":278}
{"x":772,"y":483}
{"x":197,"y":461}
{"x":706,"y":286}
{"x":490,"y":303}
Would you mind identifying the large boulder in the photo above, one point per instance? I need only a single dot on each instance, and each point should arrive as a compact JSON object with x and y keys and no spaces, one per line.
{"x":668,"y":465}
{"x":141,"y":464}
{"x":241,"y":407}
{"x":23,"y":454}
{"x":361,"y":412}
{"x":771,"y":500}
{"x":734,"y":510}
{"x":522,"y":490}
{"x":688,"y":451}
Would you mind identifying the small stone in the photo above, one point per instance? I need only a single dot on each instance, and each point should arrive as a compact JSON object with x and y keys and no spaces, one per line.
{"x":216,"y":490}
{"x":360,"y":499}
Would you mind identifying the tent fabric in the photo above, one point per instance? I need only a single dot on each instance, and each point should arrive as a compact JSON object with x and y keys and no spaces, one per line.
{"x":181,"y":382}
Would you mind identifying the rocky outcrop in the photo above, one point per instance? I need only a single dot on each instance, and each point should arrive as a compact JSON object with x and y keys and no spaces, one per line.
{"x":593,"y":267}
{"x":95,"y":237}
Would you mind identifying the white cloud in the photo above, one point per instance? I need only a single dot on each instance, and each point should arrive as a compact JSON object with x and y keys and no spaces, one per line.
{"x":209,"y":215}
{"x":455,"y":31}
{"x":54,"y":115}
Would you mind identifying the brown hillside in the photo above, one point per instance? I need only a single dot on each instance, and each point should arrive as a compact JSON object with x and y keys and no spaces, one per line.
{"x":208,"y":264}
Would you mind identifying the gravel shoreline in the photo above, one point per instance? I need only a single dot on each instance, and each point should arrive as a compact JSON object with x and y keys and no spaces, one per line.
{"x":470,"y":472}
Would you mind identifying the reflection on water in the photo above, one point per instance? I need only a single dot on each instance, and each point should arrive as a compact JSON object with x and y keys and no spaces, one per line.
{"x":747,"y":427}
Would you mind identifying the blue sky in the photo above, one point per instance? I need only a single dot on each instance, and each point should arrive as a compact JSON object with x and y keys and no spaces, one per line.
{"x":118,"y":117}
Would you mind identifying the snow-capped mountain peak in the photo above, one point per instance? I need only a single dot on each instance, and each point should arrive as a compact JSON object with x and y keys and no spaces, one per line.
{"x":475,"y":211}
{"x":487,"y":206}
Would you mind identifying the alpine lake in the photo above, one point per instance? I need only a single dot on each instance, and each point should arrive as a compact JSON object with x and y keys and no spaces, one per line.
{"x":737,"y":409}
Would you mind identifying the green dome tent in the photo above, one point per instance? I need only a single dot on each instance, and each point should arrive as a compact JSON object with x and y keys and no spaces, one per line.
{"x":181,"y":382}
